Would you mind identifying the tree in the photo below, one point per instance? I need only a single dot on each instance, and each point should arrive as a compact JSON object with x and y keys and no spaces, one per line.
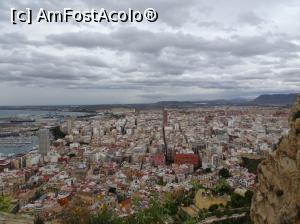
{"x":208,"y":170}
{"x":160,"y":181}
{"x":190,"y":221}
{"x":135,"y":201}
{"x":201,"y":214}
{"x":37,"y":194}
{"x":171,"y":207}
{"x":237,"y":200}
{"x":224,"y":173}
{"x":213,"y":207}
{"x":153,"y":214}
{"x":251,"y":164}
{"x":248,"y":196}
{"x":57,"y":133}
{"x":196,"y":185}
{"x":121,"y":197}
{"x":38,"y":220}
{"x":222,"y":187}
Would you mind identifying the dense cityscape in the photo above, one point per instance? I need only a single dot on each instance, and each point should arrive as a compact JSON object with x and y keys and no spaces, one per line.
{"x":127,"y":165}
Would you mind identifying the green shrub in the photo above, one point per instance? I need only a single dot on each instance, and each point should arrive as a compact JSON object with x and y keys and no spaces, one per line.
{"x":222,"y":187}
{"x":57,"y":133}
{"x":237,"y":201}
{"x":213,"y":207}
{"x":224,"y":173}
{"x":208,"y":170}
{"x":248,"y":196}
{"x":251,"y":164}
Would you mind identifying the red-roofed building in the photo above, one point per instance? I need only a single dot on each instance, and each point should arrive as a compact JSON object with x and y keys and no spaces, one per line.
{"x":187,"y":159}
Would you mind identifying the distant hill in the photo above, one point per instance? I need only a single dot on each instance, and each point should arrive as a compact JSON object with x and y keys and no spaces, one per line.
{"x":275,"y":99}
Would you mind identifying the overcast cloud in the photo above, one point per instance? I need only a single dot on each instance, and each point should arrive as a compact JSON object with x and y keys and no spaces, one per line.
{"x":196,"y":50}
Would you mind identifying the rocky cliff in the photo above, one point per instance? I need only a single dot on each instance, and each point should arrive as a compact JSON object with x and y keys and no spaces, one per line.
{"x":277,"y":197}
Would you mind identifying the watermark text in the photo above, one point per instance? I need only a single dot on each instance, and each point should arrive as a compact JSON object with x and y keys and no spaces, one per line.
{"x":88,"y":16}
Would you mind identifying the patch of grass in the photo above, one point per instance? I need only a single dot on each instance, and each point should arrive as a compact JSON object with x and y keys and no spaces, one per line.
{"x":5,"y":203}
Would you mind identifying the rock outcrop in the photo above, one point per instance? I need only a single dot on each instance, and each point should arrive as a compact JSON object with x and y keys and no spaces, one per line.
{"x":277,"y":197}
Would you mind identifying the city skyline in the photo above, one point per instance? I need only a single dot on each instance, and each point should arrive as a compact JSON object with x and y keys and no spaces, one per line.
{"x":196,"y":50}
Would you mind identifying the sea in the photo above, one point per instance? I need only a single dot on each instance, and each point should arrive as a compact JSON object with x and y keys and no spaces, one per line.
{"x":36,"y":113}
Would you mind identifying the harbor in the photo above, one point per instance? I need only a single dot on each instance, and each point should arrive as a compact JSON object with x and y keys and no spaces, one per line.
{"x":15,"y":145}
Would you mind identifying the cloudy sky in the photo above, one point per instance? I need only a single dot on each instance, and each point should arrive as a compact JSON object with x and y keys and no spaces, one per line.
{"x":196,"y":50}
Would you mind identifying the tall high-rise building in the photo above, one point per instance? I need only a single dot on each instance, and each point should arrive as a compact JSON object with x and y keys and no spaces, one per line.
{"x":167,"y":151}
{"x":165,"y":117}
{"x":44,"y":141}
{"x":69,"y":125}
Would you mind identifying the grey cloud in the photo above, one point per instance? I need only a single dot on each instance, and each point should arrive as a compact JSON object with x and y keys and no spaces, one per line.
{"x":250,"y":18}
{"x":136,"y":40}
{"x":196,"y":49}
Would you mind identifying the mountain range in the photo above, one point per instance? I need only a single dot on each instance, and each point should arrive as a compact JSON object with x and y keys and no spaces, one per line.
{"x":262,"y":100}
